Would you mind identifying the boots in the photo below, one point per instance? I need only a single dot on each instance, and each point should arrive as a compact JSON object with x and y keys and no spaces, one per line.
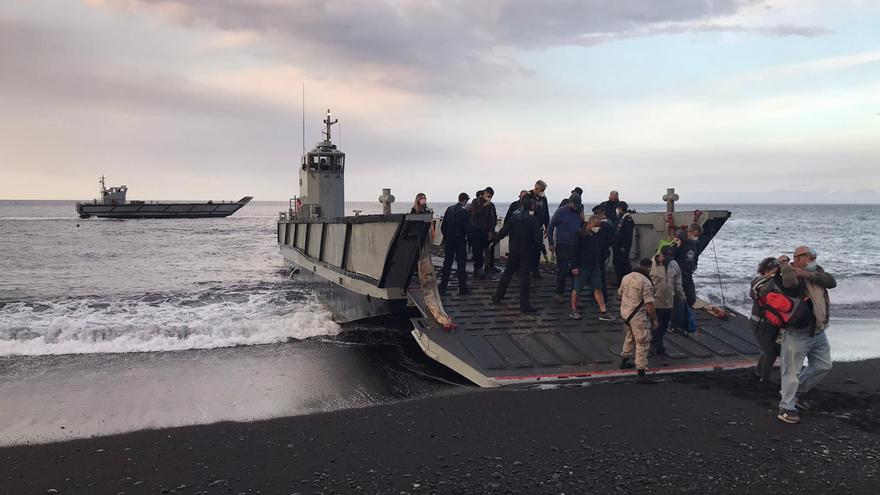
{"x":626,"y":365}
{"x":644,"y":379}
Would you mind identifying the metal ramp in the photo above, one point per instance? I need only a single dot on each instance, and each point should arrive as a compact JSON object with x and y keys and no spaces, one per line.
{"x":495,"y":345}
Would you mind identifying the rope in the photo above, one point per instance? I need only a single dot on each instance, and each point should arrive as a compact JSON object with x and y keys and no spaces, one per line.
{"x":718,"y":271}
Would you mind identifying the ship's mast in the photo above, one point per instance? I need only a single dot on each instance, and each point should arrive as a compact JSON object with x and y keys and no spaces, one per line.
{"x":103,"y":187}
{"x":328,"y":123}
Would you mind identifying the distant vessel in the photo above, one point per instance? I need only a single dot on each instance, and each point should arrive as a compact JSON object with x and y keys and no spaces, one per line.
{"x":112,"y":204}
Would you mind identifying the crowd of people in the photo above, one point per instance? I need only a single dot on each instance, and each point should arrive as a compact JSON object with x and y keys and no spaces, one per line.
{"x":791,"y":307}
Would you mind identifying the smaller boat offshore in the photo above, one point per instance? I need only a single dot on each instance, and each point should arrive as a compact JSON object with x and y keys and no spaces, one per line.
{"x":113,"y":204}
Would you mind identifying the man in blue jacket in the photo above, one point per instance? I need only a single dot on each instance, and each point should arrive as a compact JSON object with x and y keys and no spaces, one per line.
{"x":562,"y":234}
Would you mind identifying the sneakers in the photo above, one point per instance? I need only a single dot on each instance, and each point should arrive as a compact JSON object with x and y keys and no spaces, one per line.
{"x":790,"y":417}
{"x":604,"y":316}
{"x":802,"y":404}
{"x":574,"y":315}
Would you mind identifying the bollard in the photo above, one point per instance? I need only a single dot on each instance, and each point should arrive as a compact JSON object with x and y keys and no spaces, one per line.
{"x":670,"y":197}
{"x":386,"y":199}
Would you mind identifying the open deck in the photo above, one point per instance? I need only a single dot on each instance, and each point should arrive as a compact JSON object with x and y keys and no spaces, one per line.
{"x":495,"y":345}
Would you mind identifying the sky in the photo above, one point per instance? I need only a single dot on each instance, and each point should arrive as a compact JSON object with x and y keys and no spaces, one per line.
{"x":725,"y":100}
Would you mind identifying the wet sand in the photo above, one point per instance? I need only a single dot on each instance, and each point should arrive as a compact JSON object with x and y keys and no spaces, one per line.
{"x":697,"y":433}
{"x":52,"y":398}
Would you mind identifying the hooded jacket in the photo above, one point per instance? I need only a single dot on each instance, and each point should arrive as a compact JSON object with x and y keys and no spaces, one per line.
{"x":667,"y":283}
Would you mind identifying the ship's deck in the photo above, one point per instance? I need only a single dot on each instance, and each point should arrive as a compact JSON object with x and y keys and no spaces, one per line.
{"x":495,"y":344}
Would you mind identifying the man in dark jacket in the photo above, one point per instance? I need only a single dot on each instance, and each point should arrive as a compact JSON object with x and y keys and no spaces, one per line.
{"x":514,"y":207}
{"x":491,"y":223}
{"x":585,"y":268}
{"x":606,"y":241}
{"x":688,"y":249}
{"x":525,"y":236}
{"x":542,"y":213}
{"x":561,"y":237}
{"x":576,"y":190}
{"x":623,"y":241}
{"x":480,"y":213}
{"x":454,"y":228}
{"x":610,"y":207}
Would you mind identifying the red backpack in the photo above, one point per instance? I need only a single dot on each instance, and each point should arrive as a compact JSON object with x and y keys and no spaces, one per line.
{"x":780,"y":310}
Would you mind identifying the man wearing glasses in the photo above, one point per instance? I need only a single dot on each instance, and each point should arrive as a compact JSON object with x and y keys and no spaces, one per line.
{"x":809,"y":342}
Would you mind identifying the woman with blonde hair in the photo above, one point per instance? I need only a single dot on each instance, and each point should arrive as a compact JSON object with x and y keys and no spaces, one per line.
{"x":420,"y":205}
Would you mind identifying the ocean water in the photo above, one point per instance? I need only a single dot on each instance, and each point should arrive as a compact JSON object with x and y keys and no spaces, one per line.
{"x":72,"y":286}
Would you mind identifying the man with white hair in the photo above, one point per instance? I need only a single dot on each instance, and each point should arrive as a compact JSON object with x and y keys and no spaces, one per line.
{"x":804,"y":337}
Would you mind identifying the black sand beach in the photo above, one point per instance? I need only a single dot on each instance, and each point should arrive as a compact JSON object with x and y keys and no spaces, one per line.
{"x":697,"y":433}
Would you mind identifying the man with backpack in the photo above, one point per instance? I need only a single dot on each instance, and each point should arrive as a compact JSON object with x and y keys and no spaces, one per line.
{"x":804,"y":337}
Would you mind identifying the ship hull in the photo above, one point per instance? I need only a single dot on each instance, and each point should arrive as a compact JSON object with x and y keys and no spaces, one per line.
{"x":359,"y":266}
{"x":160,"y":210}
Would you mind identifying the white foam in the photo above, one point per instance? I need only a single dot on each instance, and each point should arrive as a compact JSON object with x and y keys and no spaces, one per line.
{"x":850,"y":292}
{"x":854,"y":339}
{"x":92,"y":325}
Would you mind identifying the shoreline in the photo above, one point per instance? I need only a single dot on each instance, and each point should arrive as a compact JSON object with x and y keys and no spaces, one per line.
{"x":691,"y":433}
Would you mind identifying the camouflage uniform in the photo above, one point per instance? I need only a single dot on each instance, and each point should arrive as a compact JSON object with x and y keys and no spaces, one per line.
{"x":635,"y":288}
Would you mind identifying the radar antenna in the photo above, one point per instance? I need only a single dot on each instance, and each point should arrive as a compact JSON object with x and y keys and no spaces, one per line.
{"x":328,"y":123}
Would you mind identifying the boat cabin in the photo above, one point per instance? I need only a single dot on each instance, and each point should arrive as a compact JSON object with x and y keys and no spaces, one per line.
{"x":322,"y":179}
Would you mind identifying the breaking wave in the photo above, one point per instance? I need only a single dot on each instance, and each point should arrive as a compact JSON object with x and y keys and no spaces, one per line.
{"x":207,"y":318}
{"x":856,"y":293}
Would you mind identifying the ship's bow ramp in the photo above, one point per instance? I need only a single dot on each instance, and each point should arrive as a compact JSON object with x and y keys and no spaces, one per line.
{"x":496,"y":345}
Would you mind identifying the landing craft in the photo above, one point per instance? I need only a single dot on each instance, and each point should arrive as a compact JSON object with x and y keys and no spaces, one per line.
{"x":112,"y":204}
{"x":364,"y":266}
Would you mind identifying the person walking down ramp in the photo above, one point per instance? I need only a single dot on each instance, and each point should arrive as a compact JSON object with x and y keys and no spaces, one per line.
{"x":525,"y":237}
{"x":637,"y":310}
{"x":805,"y":338}
{"x":454,"y":229}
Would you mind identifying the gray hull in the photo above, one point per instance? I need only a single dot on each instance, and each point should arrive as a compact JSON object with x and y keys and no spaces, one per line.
{"x":160,"y":210}
{"x":360,"y":266}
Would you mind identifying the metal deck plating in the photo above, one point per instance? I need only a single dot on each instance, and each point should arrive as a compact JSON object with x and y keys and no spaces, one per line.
{"x":496,"y":345}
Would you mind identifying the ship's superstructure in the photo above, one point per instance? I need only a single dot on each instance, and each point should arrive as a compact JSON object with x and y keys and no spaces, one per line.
{"x":112,"y":204}
{"x":322,"y":179}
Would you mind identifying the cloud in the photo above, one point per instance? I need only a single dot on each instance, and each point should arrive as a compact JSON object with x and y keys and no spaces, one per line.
{"x":445,"y":47}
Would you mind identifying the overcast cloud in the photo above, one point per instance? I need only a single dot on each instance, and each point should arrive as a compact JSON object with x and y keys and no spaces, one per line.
{"x":196,"y":99}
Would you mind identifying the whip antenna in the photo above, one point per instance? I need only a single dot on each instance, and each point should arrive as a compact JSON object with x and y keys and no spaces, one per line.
{"x":304,"y":119}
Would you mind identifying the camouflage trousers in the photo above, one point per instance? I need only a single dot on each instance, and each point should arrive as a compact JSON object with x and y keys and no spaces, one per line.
{"x":637,"y":341}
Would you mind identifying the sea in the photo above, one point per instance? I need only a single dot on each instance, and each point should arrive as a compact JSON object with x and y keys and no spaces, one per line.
{"x":89,"y":286}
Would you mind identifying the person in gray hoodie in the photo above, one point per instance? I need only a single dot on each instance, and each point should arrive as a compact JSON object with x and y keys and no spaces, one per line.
{"x":810,"y":341}
{"x":666,"y":277}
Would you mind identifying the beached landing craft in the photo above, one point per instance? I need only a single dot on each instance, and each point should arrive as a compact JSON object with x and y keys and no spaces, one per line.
{"x":112,"y":204}
{"x":370,"y":265}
